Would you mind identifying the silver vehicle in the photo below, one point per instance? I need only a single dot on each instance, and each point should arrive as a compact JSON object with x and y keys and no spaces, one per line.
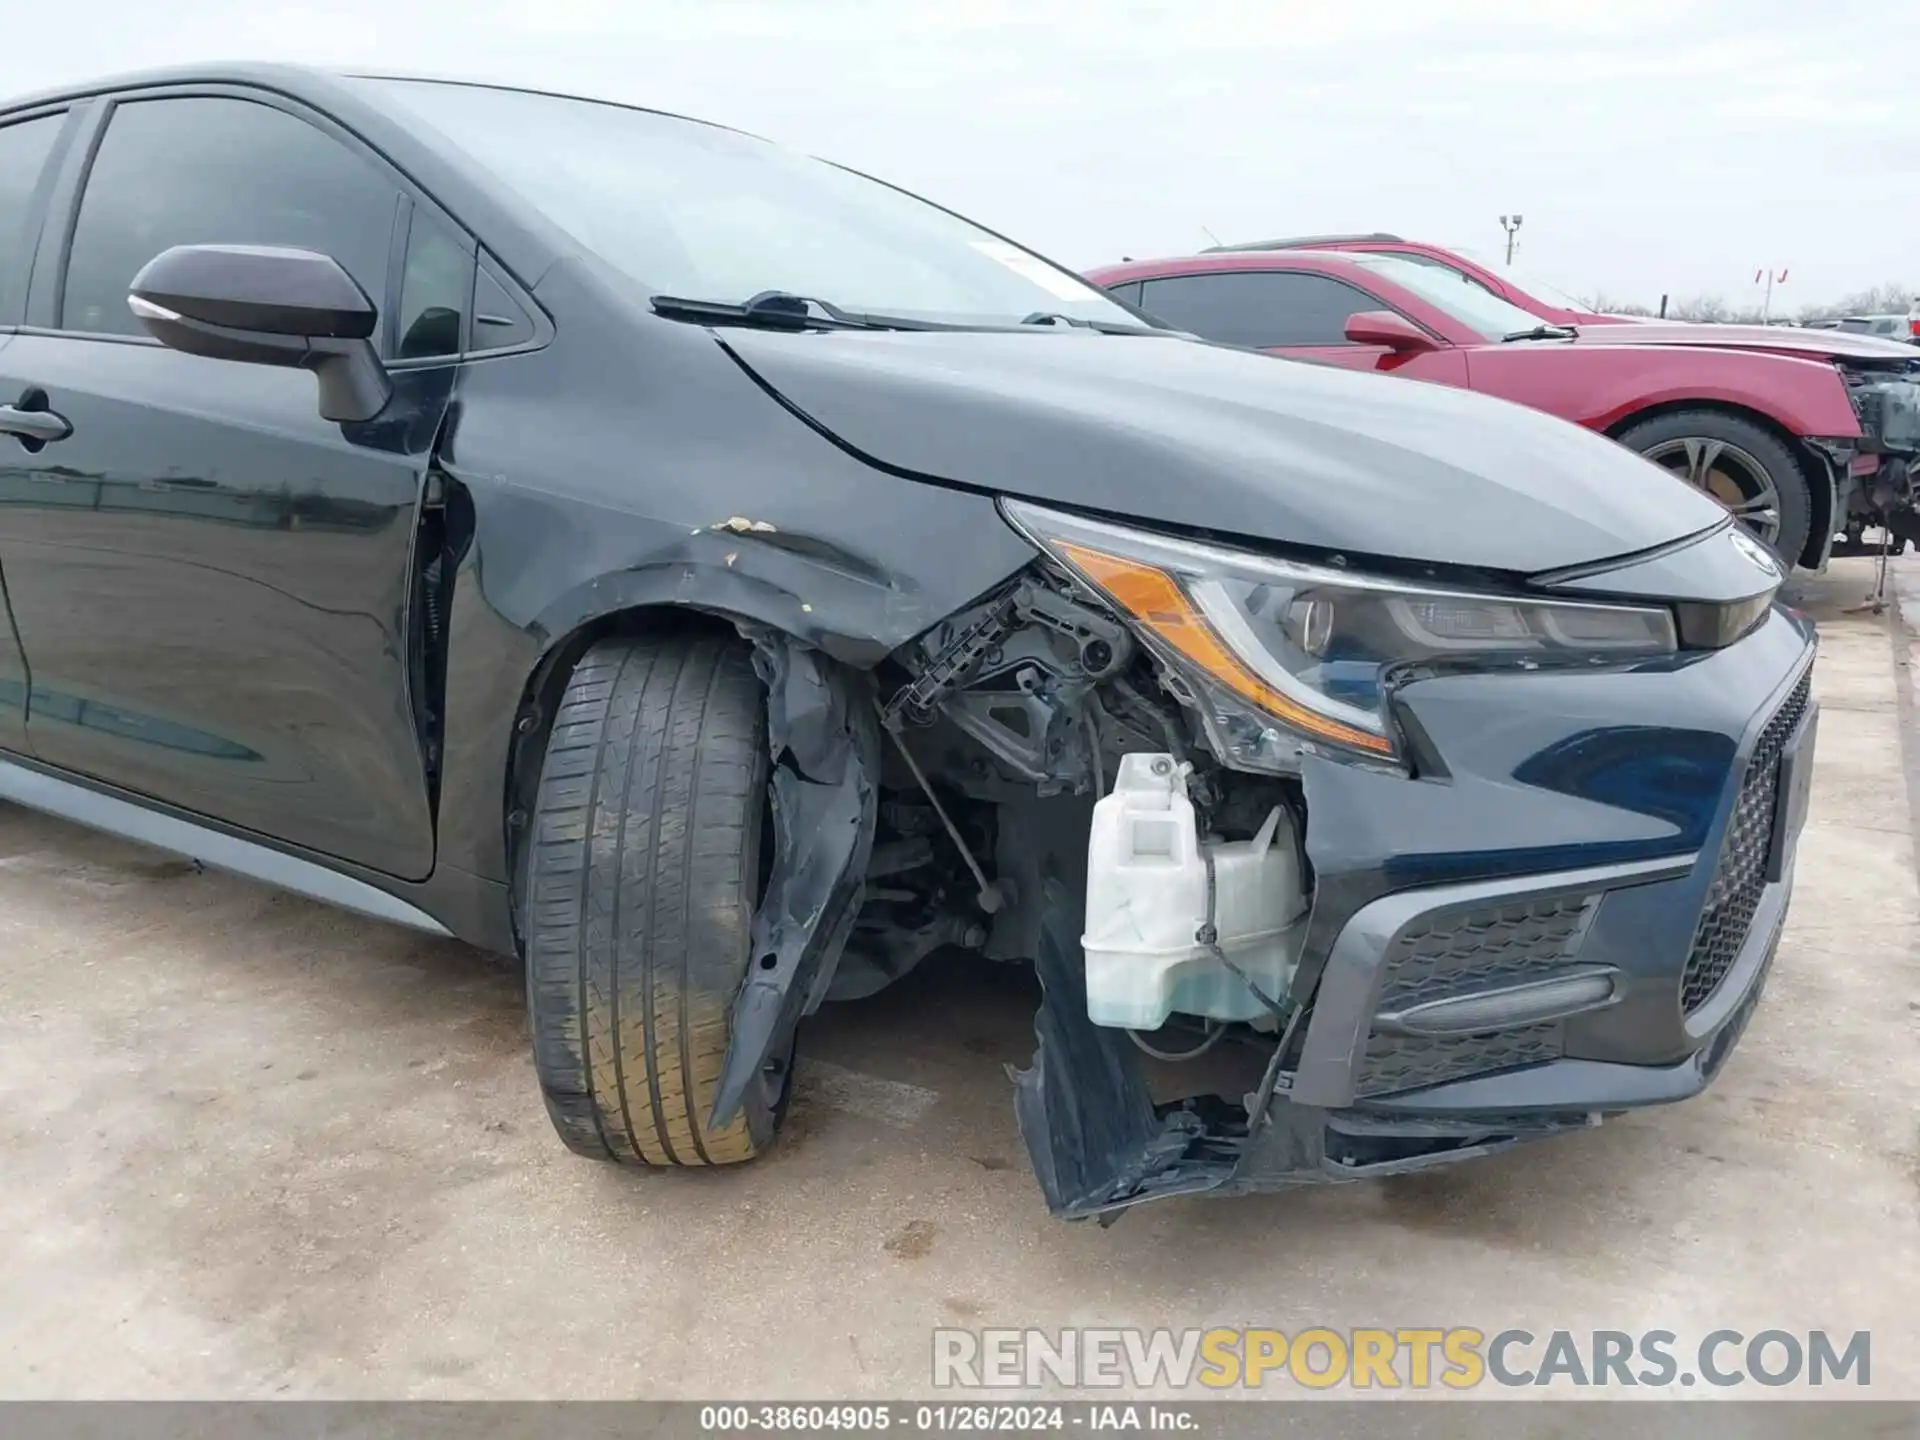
{"x":1896,"y":327}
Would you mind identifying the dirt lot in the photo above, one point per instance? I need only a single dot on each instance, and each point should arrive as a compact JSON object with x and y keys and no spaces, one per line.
{"x":250,"y":1146}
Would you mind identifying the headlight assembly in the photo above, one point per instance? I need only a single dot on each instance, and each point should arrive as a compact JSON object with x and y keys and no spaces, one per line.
{"x":1283,"y":656}
{"x":1889,"y":410}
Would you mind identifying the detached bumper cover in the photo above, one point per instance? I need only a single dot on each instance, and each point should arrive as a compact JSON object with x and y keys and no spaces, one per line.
{"x":1464,"y":1000}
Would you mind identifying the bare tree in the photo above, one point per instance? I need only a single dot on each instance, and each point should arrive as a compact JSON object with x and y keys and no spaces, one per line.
{"x":1708,"y":309}
{"x":1892,"y":298}
{"x":1601,"y":303}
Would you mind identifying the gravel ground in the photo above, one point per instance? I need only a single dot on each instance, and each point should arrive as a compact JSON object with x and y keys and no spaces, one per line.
{"x":253,"y":1147}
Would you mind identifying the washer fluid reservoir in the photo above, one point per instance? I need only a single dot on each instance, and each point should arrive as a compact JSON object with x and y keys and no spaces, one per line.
{"x":1147,"y":905}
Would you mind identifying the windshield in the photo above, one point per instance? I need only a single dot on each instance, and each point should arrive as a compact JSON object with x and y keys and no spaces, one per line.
{"x":1532,"y":284}
{"x":1529,"y":282}
{"x":1485,"y":313}
{"x":697,"y":211}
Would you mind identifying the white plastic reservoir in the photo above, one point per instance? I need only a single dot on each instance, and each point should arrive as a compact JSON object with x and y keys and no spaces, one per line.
{"x":1147,"y":904}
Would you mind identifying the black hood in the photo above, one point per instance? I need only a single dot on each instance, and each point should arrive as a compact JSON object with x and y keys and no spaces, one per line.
{"x":1177,"y":432}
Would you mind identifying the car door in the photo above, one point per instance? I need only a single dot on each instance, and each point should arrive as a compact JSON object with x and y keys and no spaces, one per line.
{"x":27,"y":148}
{"x":210,"y":583}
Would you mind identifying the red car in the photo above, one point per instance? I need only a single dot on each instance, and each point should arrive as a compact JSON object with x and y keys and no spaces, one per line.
{"x":1781,"y":439}
{"x":1379,"y":242}
{"x":1565,"y":309}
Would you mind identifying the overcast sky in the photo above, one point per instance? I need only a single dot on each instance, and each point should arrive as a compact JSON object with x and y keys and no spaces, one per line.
{"x":1652,"y":145}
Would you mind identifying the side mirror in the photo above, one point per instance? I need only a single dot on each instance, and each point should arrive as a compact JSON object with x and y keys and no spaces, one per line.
{"x":268,"y":306}
{"x":1385,"y":327}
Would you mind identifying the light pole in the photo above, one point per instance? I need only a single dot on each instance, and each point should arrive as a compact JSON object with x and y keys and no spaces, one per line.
{"x":1771,"y":279}
{"x":1510,"y":224}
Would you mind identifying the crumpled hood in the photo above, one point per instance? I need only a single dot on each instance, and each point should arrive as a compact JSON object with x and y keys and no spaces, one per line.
{"x":1781,"y":339}
{"x":1174,"y":431}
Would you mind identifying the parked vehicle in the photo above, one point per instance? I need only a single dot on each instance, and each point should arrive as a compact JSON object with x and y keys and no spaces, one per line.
{"x":723,"y":581}
{"x":1904,"y":328}
{"x":1547,"y":302}
{"x":1799,"y":441}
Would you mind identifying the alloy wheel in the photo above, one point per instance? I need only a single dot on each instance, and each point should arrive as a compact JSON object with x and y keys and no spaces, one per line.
{"x":1726,"y":473}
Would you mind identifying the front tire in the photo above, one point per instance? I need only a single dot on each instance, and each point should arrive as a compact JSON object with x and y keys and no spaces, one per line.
{"x":642,"y":875}
{"x":1744,"y":466}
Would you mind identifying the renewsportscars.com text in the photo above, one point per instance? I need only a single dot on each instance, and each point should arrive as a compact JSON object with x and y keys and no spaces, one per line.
{"x":1456,"y":1358}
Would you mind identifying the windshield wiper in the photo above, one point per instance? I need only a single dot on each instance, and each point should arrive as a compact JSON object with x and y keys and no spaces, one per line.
{"x":1543,"y":332}
{"x":1105,"y":327}
{"x":779,"y":310}
{"x":782,"y":310}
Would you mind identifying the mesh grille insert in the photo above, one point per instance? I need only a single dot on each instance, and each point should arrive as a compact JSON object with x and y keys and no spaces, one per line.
{"x":1740,"y":875}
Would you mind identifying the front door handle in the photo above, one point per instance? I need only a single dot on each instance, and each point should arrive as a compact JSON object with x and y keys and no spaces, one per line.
{"x":41,"y":425}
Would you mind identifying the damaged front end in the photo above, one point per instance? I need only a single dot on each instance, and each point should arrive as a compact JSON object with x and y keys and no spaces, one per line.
{"x":1883,"y":465}
{"x":824,"y":796}
{"x":1325,"y":874}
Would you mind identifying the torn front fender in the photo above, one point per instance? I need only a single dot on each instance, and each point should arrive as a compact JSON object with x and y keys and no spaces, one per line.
{"x":824,"y":736}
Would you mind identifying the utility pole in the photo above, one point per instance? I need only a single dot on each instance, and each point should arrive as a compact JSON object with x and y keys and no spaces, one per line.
{"x":1766,"y":306}
{"x":1510,"y":224}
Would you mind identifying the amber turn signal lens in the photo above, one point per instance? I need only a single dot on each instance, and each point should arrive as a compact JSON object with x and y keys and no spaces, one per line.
{"x":1154,"y":599}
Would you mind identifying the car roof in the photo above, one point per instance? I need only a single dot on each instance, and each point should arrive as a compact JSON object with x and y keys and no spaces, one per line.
{"x":1305,"y":242}
{"x":294,"y":80}
{"x":517,"y":233}
{"x":1204,"y":261}
{"x":273,"y":77}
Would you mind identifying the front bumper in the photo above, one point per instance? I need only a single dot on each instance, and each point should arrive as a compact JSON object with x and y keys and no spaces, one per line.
{"x":1569,"y":912}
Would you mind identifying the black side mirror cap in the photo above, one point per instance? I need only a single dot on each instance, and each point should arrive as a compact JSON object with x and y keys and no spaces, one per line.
{"x":265,"y":305}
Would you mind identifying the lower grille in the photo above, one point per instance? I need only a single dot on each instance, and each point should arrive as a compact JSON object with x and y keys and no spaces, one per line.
{"x":1740,"y":875}
{"x":1407,"y":1062}
{"x":1449,"y":954}
{"x":1458,"y":953}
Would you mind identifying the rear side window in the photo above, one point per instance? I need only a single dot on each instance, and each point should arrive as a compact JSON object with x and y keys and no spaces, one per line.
{"x":1129,"y":292}
{"x":499,"y":322}
{"x":1260,"y":308}
{"x":436,"y":291}
{"x":24,"y":148}
{"x":215,"y":171}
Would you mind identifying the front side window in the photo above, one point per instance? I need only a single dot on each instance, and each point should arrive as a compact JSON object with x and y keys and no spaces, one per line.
{"x":24,"y":149}
{"x":700,"y":212}
{"x":216,"y":171}
{"x":1263,"y":309}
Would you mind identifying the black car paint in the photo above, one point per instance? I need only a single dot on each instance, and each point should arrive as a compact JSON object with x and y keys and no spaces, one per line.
{"x":573,"y":525}
{"x":598,"y":466}
{"x":838,"y":490}
{"x":1162,"y":430}
{"x":1552,"y":772}
{"x":252,"y":662}
{"x":1618,"y":782}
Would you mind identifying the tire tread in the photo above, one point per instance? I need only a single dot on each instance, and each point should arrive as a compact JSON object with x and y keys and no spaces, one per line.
{"x":639,"y":890}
